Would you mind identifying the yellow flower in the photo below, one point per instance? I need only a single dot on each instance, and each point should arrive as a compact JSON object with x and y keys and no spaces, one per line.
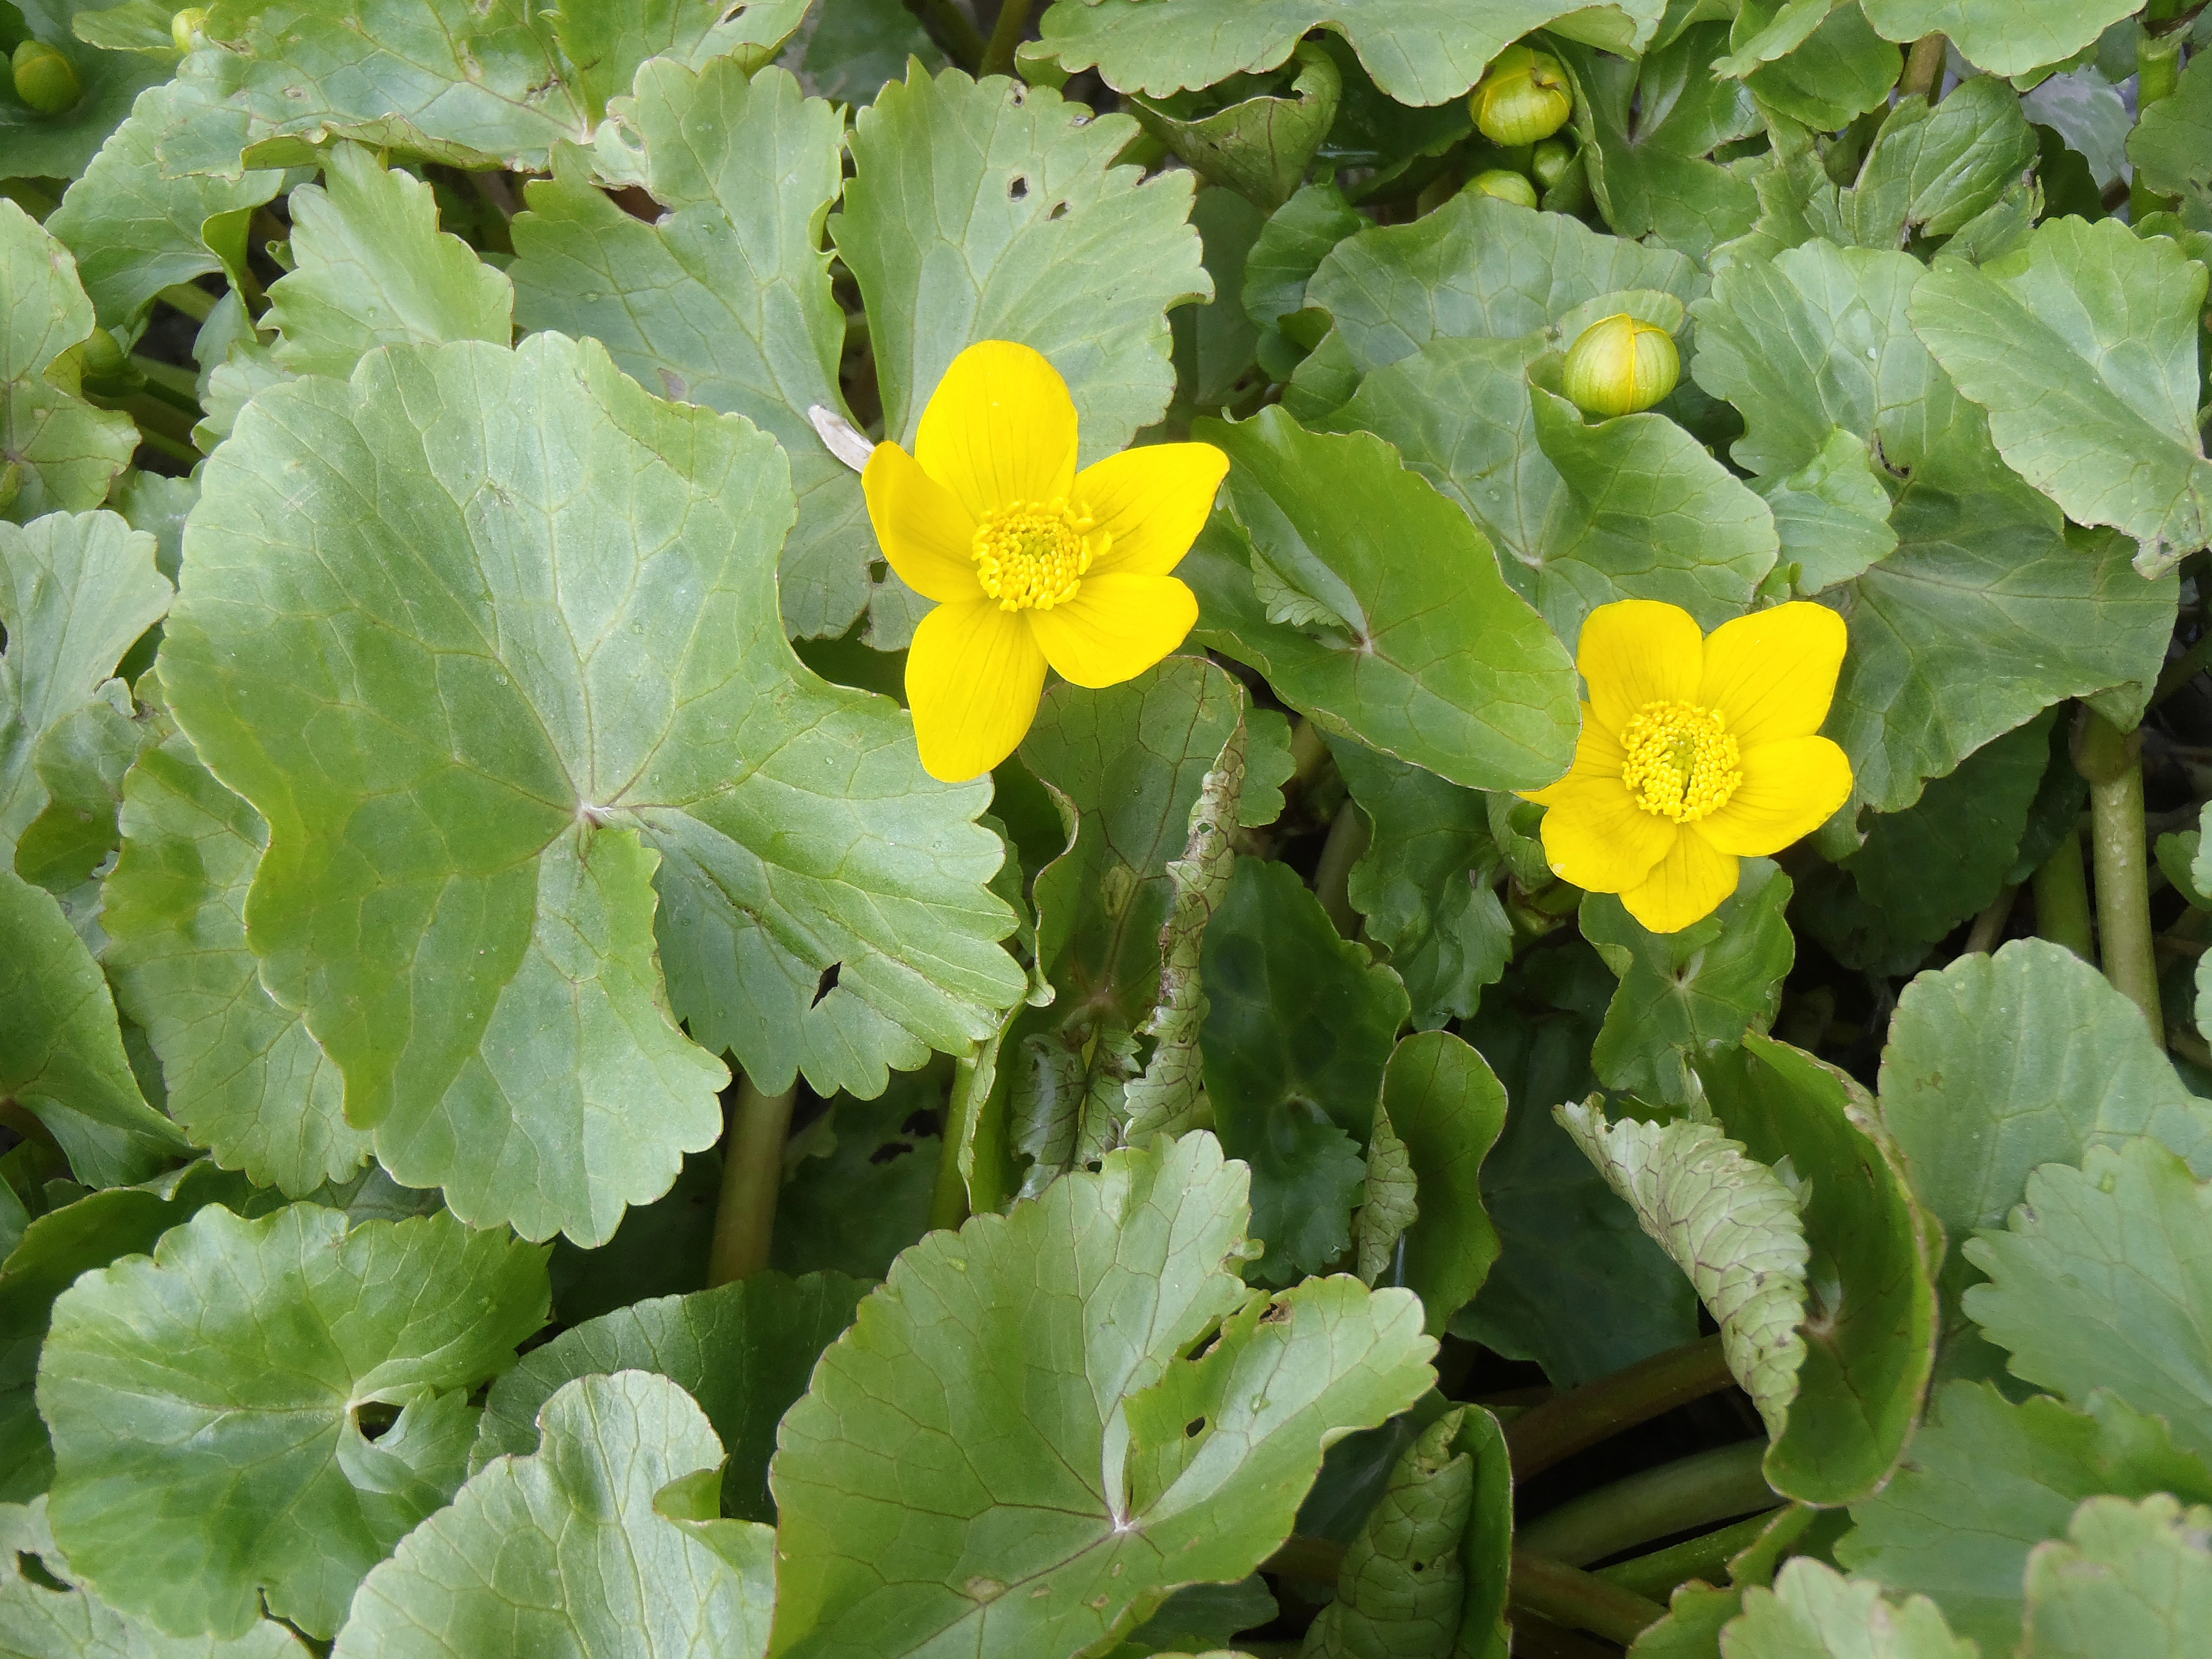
{"x":1694,"y":751}
{"x":1030,"y":561}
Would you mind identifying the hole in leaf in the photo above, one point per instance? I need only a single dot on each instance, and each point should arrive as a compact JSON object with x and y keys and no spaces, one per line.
{"x":373,"y":1417}
{"x":827,"y":984}
{"x":1019,"y":189}
{"x":31,"y":1567}
{"x":888,"y":1151}
{"x":1194,"y":1428}
{"x":924,"y":1123}
{"x":1059,"y":211}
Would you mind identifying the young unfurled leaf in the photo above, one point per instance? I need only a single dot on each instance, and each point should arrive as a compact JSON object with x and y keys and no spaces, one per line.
{"x":1446,"y":1109}
{"x":1401,"y":1585}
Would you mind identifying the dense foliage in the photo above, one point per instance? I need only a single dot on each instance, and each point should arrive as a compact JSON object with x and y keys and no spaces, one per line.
{"x":535,"y":1119}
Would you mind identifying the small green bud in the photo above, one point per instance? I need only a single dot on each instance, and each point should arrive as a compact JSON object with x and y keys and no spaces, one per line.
{"x":1505,"y":186}
{"x":1523,"y":97}
{"x":1621,"y":365}
{"x":187,"y":27}
{"x":45,"y":79}
{"x":1549,"y":161}
{"x":101,"y":358}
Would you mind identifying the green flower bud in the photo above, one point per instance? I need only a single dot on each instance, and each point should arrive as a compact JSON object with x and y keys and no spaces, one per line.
{"x":103,"y":365}
{"x":1621,"y":365}
{"x":1549,"y":161}
{"x":1523,"y":97}
{"x":188,"y":26}
{"x":45,"y":79}
{"x":1505,"y":186}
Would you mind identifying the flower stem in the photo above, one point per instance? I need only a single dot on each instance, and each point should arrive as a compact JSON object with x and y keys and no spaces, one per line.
{"x":1692,"y":1492}
{"x":1573,"y":1422}
{"x":2062,"y":898}
{"x":1923,"y":68}
{"x":1990,"y":923}
{"x":1580,"y":1601}
{"x":752,"y":1173}
{"x":1006,"y":37}
{"x":1706,"y":1557}
{"x":2111,"y":760}
{"x":1347,"y":842}
{"x":949,"y":1199}
{"x":2158,"y":71}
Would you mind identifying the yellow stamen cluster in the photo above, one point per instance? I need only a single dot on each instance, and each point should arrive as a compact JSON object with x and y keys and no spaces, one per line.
{"x":1032,"y":555}
{"x":1681,"y":760}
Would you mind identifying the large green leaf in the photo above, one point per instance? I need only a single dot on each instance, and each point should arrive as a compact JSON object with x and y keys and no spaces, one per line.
{"x":1422,"y":651}
{"x":134,"y":232}
{"x":243,"y":1077}
{"x":2103,"y":1279}
{"x":608,"y":44}
{"x":1419,"y":51}
{"x":743,"y":1351}
{"x":724,"y":301}
{"x":1447,"y":1108}
{"x":863,"y":1193}
{"x":1840,"y":69}
{"x":1815,"y":1612}
{"x":2172,"y":145}
{"x":1007,"y":1453}
{"x":51,"y":1616}
{"x":1402,"y":1582}
{"x":58,"y":146}
{"x":2134,"y":1578}
{"x":467,"y":822}
{"x":58,"y":453}
{"x":604,"y":1541}
{"x":1299,"y":1026}
{"x":1998,"y":35}
{"x":2083,"y":348}
{"x":1987,"y":1480}
{"x":1283,"y":259}
{"x":193,"y":1395}
{"x":371,"y":268}
{"x":1689,"y":995}
{"x":847,"y":52}
{"x":1932,"y":167}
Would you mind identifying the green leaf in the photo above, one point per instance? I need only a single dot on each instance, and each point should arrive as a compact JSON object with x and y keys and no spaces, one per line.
{"x":743,"y":1351}
{"x":1387,"y":1203}
{"x":1868,"y":1317}
{"x":1815,"y":1613}
{"x":61,"y":1054}
{"x":1299,"y":1025}
{"x":371,"y":268}
{"x":1832,"y":515}
{"x":1687,"y":996}
{"x":57,"y":452}
{"x":134,"y":232}
{"x":1215,"y":343}
{"x":607,"y":43}
{"x":1284,"y":257}
{"x":1440,"y":663}
{"x":134,"y":26}
{"x":1999,"y":1065}
{"x":1697,"y":1612}
{"x":988,"y":1422}
{"x":846,"y":52}
{"x":52,"y":1616}
{"x":1997,"y":36}
{"x":1649,"y":127}
{"x":81,"y":763}
{"x":1043,"y":214}
{"x":1400,"y":1590}
{"x":2102,"y":1279}
{"x":452,"y":81}
{"x":853,"y":1204}
{"x":1731,"y":1225}
{"x":595,"y":752}
{"x":725,"y":301}
{"x":593,"y":1545}
{"x":244,"y":1077}
{"x":1201,"y":1618}
{"x":2132,"y":1578}
{"x":1841,"y":69}
{"x":193,"y":1394}
{"x":1258,"y":147}
{"x":1446,"y":1109}
{"x":1425,"y":884}
{"x":40,"y":146}
{"x":2172,"y":145}
{"x":659,"y":1249}
{"x":1987,"y":1480}
{"x":2083,"y":348}
{"x":1932,"y":168}
{"x":1418,"y":53}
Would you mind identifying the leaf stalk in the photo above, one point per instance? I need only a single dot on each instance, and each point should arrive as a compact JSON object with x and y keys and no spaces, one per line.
{"x":1692,"y":1492}
{"x":1571,"y":1423}
{"x":752,"y":1176}
{"x":2111,"y":760}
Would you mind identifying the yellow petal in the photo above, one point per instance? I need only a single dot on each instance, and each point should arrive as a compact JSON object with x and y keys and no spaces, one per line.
{"x":973,"y":678}
{"x":1114,"y":628}
{"x":1596,"y":837}
{"x":1151,"y":501}
{"x":928,"y":537}
{"x":1598,"y":754}
{"x":1773,"y":674}
{"x":1000,"y":428}
{"x":1789,"y":789}
{"x":1687,"y":885}
{"x":1638,"y":651}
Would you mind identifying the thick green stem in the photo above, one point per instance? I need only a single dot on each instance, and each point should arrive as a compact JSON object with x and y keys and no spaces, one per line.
{"x":1706,"y":1556}
{"x":2158,"y":71}
{"x":1990,"y":923}
{"x":949,"y":1199}
{"x":953,"y":29}
{"x":2062,"y":898}
{"x":1923,"y":68}
{"x":1693,"y":1492}
{"x":752,"y":1175}
{"x":2111,"y":760}
{"x":1597,"y":1411}
{"x":1580,"y":1601}
{"x":1348,"y":840}
{"x":1006,"y":37}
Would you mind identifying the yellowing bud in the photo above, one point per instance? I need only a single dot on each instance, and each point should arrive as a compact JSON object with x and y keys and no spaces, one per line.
{"x":1621,"y":365}
{"x":45,"y":79}
{"x":187,"y":27}
{"x":1505,"y":186}
{"x":1523,"y":97}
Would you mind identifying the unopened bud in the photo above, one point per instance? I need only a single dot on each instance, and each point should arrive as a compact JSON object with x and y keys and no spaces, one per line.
{"x":1619,"y":366}
{"x":45,"y":79}
{"x":1505,"y":186}
{"x":1523,"y":97}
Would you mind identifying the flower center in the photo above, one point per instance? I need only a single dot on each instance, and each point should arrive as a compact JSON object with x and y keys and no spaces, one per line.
{"x":1681,"y":760}
{"x":1033,"y":553}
